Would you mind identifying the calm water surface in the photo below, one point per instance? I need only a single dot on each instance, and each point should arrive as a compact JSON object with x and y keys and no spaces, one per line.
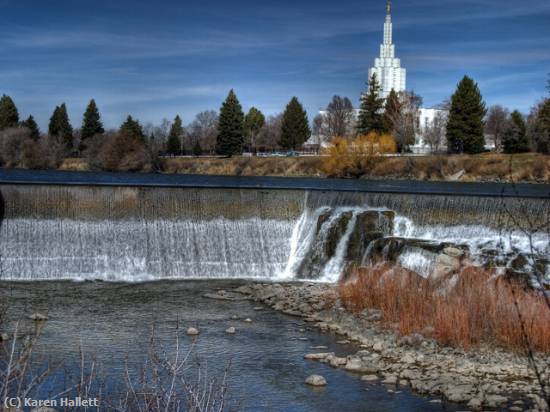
{"x":112,"y":323}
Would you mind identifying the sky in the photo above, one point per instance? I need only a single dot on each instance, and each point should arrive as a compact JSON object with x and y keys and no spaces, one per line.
{"x":156,"y":59}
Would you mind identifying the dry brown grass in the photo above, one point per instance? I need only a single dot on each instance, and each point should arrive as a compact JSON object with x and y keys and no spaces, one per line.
{"x":244,"y":166}
{"x":480,"y":309}
{"x":485,"y":167}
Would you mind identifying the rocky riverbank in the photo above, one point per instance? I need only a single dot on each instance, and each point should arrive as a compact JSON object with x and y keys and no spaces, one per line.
{"x":483,"y":379}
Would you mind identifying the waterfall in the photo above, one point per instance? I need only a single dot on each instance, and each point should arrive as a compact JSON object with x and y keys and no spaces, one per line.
{"x":136,"y":234}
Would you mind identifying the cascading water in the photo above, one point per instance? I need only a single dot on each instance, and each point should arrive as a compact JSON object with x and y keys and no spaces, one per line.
{"x":134,"y":234}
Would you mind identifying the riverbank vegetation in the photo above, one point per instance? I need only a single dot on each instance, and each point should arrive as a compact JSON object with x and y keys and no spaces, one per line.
{"x":478,"y":309}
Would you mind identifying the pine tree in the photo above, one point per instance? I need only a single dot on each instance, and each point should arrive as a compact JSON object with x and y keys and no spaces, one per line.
{"x":91,"y":124}
{"x":515,"y":138}
{"x":371,"y":118}
{"x":465,"y":125}
{"x":542,"y":133}
{"x":9,"y":116}
{"x":295,"y":126}
{"x":253,"y":122}
{"x":173,"y":146}
{"x":230,"y":137}
{"x":60,"y":126}
{"x":391,"y":111}
{"x":131,"y":128}
{"x":30,"y":124}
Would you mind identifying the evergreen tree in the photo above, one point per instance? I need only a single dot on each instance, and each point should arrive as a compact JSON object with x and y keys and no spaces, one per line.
{"x":173,"y":146}
{"x":91,"y":124}
{"x":391,"y":111}
{"x":543,"y":128}
{"x":253,"y":122}
{"x":515,"y":138}
{"x":9,"y":116}
{"x":295,"y":126}
{"x":30,"y":124}
{"x":230,"y":137}
{"x":197,"y":149}
{"x":60,"y":126}
{"x":465,"y":125}
{"x":370,"y":113}
{"x":132,"y":128}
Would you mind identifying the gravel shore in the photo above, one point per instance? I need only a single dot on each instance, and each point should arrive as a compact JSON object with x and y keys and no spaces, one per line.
{"x":483,"y":379}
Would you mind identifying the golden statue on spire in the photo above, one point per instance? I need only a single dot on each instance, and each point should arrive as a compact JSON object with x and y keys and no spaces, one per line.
{"x":388,"y":7}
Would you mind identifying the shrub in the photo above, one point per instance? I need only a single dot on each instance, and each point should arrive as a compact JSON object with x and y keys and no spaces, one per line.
{"x":118,"y":152}
{"x":11,"y":142}
{"x":354,"y":158}
{"x":45,"y":153}
{"x":480,"y":308}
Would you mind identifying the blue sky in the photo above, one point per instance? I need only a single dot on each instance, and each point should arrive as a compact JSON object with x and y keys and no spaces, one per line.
{"x":156,"y":59}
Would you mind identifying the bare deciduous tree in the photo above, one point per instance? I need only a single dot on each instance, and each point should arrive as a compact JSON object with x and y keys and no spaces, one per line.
{"x":337,"y":120}
{"x":496,"y":123}
{"x":270,"y":134}
{"x":405,"y":121}
{"x":434,"y":132}
{"x":204,"y":129}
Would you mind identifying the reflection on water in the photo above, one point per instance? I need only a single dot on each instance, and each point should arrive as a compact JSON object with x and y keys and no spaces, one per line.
{"x":112,"y":321}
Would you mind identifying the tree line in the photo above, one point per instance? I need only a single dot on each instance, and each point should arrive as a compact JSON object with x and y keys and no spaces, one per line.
{"x":461,"y":123}
{"x":134,"y":146}
{"x":462,"y":126}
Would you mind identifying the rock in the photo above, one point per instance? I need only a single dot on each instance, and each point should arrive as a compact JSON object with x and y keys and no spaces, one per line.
{"x":369,"y":378}
{"x":446,"y":260}
{"x":377,"y":347}
{"x":231,"y":330}
{"x":453,"y":252}
{"x":248,"y":320}
{"x":4,"y":337}
{"x":354,"y":365}
{"x":407,"y":358}
{"x":336,"y":361}
{"x":192,"y":331}
{"x":414,"y":340}
{"x":234,"y":317}
{"x":456,"y":176}
{"x":258,"y":308}
{"x":38,"y":317}
{"x":494,"y":401}
{"x":316,"y":380}
{"x":318,"y":356}
{"x":459,"y":393}
{"x":390,"y":380}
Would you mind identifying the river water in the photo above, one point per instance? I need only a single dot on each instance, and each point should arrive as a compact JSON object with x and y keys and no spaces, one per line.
{"x":111,"y":323}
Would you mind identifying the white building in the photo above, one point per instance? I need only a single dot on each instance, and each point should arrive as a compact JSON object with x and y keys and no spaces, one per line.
{"x":387,"y":67}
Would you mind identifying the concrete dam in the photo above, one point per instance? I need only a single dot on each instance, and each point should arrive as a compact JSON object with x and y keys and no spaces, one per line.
{"x":133,"y":227}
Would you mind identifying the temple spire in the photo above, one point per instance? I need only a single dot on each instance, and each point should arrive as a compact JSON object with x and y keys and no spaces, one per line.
{"x":388,"y":7}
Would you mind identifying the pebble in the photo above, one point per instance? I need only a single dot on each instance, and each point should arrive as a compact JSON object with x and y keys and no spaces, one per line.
{"x":37,"y":316}
{"x":248,"y":320}
{"x":192,"y":331}
{"x":369,"y":378}
{"x":230,"y":330}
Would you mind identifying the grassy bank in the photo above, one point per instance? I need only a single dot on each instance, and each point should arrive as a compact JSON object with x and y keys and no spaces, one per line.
{"x":468,"y":168}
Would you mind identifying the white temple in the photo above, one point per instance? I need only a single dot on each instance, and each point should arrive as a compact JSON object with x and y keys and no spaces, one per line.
{"x":387,"y":67}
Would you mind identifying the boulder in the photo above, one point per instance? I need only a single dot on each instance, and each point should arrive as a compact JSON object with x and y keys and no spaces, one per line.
{"x":316,"y":380}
